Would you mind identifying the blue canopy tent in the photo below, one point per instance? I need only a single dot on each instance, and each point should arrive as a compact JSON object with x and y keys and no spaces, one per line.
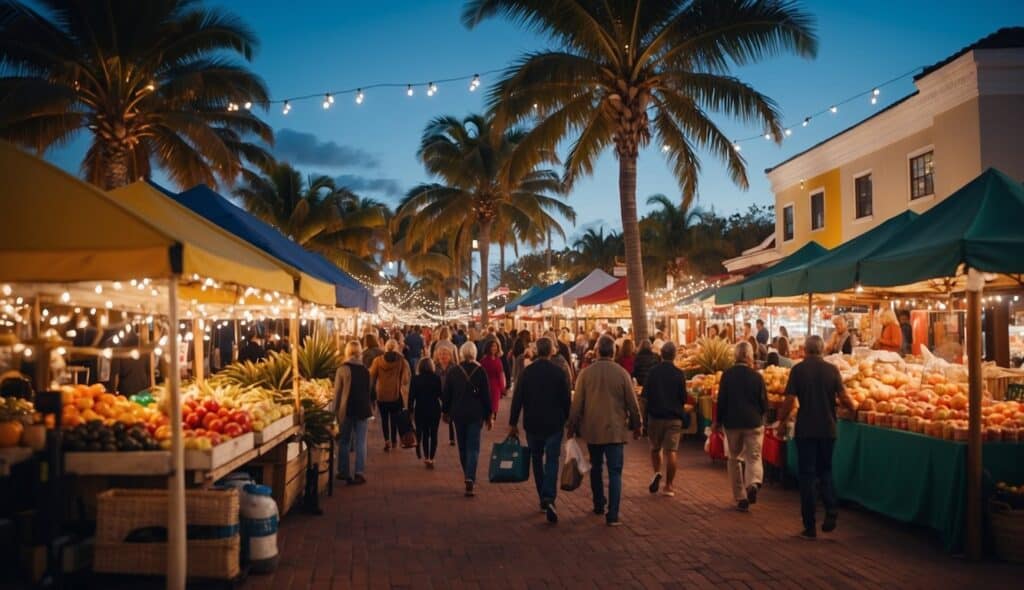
{"x":514,"y":304}
{"x":206,"y":202}
{"x":543,"y":295}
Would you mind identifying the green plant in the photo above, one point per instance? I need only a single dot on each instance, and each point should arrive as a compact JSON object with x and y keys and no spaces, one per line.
{"x":714,"y":354}
{"x":318,"y":358}
{"x":319,"y":424}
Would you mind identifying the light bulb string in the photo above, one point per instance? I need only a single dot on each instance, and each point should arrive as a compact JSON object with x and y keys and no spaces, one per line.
{"x":834,"y":105}
{"x":365,"y":87}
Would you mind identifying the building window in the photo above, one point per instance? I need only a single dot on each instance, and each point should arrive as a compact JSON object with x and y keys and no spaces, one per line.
{"x":863,"y":192}
{"x":787,"y":223}
{"x":922,"y":176}
{"x":817,"y":211}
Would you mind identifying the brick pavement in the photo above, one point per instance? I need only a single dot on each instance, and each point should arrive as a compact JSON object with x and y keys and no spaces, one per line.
{"x":412,"y":528}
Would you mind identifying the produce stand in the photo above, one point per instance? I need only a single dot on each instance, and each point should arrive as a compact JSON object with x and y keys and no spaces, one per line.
{"x":228,"y":452}
{"x":911,"y":477}
{"x":274,"y":429}
{"x":141,"y":463}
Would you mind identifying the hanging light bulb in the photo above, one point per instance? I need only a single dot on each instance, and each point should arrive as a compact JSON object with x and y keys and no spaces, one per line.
{"x":789,"y":132}
{"x":475,"y":83}
{"x":248,"y":105}
{"x":65,"y":297}
{"x":833,"y":109}
{"x":768,"y":136}
{"x":409,"y":91}
{"x":736,"y":146}
{"x":359,"y":96}
{"x":876,"y":92}
{"x":287,"y":108}
{"x":665,"y":148}
{"x":328,"y":101}
{"x":431,"y":89}
{"x":807,"y":121}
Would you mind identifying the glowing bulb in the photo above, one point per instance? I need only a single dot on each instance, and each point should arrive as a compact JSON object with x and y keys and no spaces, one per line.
{"x":133,"y":282}
{"x":287,"y":108}
{"x":109,"y":304}
{"x":359,"y":96}
{"x":408,"y":90}
{"x":833,"y":109}
{"x":6,"y":290}
{"x":117,"y":286}
{"x":61,"y":350}
{"x":768,"y":136}
{"x":475,"y":83}
{"x":876,"y":92}
{"x":158,"y":351}
{"x":71,"y":333}
{"x":116,"y":339}
{"x":134,"y":354}
{"x":737,"y":147}
{"x":108,"y":353}
{"x":248,"y":106}
{"x":328,"y":99}
{"x":431,"y":89}
{"x":28,"y":353}
{"x":65,"y":297}
{"x":789,"y":132}
{"x":665,"y":148}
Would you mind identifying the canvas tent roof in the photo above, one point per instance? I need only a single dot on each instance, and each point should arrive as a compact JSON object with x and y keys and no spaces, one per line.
{"x":758,"y":286}
{"x":593,"y":282}
{"x":613,"y":293}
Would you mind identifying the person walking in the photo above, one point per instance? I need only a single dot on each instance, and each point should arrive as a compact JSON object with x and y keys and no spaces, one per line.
{"x":391,"y":375}
{"x":626,"y":356}
{"x":815,"y":384}
{"x":604,"y":410}
{"x":353,"y":407}
{"x":763,"y":335}
{"x":646,"y":359}
{"x":543,"y":396}
{"x":444,"y":362}
{"x":425,"y":406}
{"x":742,"y":404}
{"x":414,"y":347}
{"x":665,"y":395}
{"x":491,"y":363}
{"x":371,"y":349}
{"x":467,"y":404}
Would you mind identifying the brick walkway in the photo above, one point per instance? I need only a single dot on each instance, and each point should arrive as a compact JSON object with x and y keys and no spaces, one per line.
{"x":412,"y":528}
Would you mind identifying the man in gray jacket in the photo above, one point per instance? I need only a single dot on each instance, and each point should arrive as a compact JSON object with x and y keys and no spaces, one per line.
{"x":604,"y":411}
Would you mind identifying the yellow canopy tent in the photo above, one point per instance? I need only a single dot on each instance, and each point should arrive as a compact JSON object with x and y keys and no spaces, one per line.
{"x":56,"y":228}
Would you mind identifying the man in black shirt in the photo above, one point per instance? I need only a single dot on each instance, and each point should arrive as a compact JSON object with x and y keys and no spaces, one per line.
{"x":543,"y":394}
{"x":762,"y":333}
{"x":665,"y":394}
{"x":742,"y":403}
{"x":816,"y":384}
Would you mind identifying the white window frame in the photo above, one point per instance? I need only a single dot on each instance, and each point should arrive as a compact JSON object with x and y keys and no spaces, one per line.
{"x":857,"y":177}
{"x":907,"y":179}
{"x":810,"y":208}
{"x":791,"y":206}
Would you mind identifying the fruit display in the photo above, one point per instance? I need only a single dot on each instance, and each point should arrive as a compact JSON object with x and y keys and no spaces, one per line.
{"x":206,"y":423}
{"x":775,"y":379}
{"x":318,"y":391}
{"x":97,"y":436}
{"x":714,"y":355}
{"x":88,"y":403}
{"x":705,"y":384}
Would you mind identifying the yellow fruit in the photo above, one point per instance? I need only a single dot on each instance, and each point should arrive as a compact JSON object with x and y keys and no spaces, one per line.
{"x":10,"y":433}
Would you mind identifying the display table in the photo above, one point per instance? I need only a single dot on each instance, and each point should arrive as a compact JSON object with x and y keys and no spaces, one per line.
{"x":911,"y":477}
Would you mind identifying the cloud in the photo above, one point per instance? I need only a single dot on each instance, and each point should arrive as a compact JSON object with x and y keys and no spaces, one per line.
{"x":304,"y":149}
{"x":386,"y":186}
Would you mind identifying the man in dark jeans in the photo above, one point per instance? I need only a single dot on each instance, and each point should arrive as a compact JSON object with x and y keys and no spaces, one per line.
{"x":665,"y":394}
{"x":543,"y":395}
{"x":816,"y":384}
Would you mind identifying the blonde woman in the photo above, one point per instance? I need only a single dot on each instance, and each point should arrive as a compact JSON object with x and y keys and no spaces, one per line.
{"x":891,"y":338}
{"x":352,"y":406}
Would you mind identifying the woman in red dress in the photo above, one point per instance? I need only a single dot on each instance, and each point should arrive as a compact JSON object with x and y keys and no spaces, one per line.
{"x":491,"y":362}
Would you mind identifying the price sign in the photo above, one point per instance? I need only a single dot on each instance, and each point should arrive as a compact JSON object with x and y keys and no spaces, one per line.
{"x":1015,"y":391}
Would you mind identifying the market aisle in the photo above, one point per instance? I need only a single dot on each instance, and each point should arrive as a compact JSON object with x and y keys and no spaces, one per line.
{"x":412,"y":528}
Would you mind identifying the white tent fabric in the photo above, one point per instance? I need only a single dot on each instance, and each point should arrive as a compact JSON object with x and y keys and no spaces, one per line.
{"x":594,"y":282}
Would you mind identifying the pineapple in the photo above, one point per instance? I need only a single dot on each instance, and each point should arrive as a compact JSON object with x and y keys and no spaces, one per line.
{"x":714,"y":355}
{"x":318,"y":359}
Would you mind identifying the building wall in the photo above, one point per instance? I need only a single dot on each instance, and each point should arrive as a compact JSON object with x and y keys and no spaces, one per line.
{"x":799,"y":195}
{"x":1002,"y":131}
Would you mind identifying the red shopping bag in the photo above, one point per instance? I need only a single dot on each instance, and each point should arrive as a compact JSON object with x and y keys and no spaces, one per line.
{"x":715,"y":446}
{"x":772,"y":450}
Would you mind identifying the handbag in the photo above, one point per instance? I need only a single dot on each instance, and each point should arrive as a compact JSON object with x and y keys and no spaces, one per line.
{"x":510,"y":462}
{"x":405,"y":429}
{"x":574,"y":467}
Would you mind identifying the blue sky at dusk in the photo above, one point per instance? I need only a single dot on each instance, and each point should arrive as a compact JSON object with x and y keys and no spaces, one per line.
{"x":312,"y":46}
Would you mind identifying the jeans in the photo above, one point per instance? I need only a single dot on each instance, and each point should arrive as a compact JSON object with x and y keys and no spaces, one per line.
{"x":544,"y":453}
{"x":451,"y":432}
{"x":744,"y":444}
{"x":814,"y":457}
{"x":387,"y":420}
{"x":614,"y":454}
{"x":426,"y":435}
{"x":468,"y":437}
{"x":353,"y":431}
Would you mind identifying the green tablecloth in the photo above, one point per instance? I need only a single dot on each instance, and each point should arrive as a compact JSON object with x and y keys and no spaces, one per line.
{"x":912,"y":477}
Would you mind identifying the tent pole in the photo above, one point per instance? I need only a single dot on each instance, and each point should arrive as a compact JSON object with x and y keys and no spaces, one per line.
{"x":293,"y":328}
{"x":975,"y":283}
{"x":176,"y":550}
{"x":199,"y":350}
{"x":810,"y":314}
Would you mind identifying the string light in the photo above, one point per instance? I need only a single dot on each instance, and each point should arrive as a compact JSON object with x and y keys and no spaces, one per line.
{"x":807,"y":121}
{"x":833,"y":109}
{"x":409,"y":91}
{"x":359,"y":96}
{"x":431,"y":89}
{"x":287,"y":108}
{"x":248,"y":106}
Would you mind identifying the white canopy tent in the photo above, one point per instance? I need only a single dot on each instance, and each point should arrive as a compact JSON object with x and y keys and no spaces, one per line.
{"x":592,"y":283}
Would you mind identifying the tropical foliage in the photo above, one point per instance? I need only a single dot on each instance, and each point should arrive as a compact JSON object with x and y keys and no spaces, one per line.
{"x":477,"y":198}
{"x":318,"y":215}
{"x":154,"y":83}
{"x":625,"y":74}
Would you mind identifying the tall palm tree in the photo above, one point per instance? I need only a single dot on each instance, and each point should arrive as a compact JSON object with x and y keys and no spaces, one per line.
{"x":474,"y":196}
{"x":318,"y":215}
{"x":595,"y":249}
{"x":627,"y":73}
{"x":156,"y":83}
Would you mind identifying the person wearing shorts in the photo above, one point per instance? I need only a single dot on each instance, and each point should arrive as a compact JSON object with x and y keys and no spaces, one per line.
{"x":665,"y":394}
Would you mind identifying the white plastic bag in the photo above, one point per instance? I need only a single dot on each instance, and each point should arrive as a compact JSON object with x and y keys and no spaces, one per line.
{"x":573,"y":450}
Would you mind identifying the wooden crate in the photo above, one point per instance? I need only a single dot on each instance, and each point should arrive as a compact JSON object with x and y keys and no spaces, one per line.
{"x":118,"y":463}
{"x":274,"y":429}
{"x":220,"y":454}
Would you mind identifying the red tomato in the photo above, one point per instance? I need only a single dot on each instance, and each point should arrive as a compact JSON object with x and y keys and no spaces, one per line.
{"x":240,"y":417}
{"x":192,"y":421}
{"x":209,"y":418}
{"x":214,"y":438}
{"x":215,"y":425}
{"x":223,"y":413}
{"x":211,"y":405}
{"x":201,"y":412}
{"x":232,"y":430}
{"x":200,"y":432}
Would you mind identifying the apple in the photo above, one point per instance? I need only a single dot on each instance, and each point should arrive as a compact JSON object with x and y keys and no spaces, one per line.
{"x":192,"y":421}
{"x":215,"y":425}
{"x":211,"y":405}
{"x":210,"y":418}
{"x":232,"y":429}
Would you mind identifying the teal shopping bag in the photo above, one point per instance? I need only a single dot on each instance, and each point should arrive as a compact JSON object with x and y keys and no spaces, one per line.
{"x":510,"y":461}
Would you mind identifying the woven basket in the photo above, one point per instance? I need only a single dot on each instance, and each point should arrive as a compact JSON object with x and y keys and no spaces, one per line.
{"x":121,"y":511}
{"x":1007,"y":531}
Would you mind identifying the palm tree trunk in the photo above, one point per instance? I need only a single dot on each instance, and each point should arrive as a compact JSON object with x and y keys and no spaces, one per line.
{"x":116,"y":173}
{"x":501,"y":262}
{"x":631,"y":234}
{"x":485,"y":250}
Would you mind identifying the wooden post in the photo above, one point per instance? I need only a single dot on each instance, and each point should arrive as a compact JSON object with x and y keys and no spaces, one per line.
{"x":238,"y":341}
{"x":198,"y":350}
{"x":293,"y":329}
{"x":975,"y":282}
{"x":810,"y":314}
{"x":176,"y":547}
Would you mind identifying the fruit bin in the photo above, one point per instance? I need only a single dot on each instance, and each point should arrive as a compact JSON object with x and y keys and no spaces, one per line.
{"x":209,"y":513}
{"x":205,"y":460}
{"x":274,"y":429}
{"x":118,"y":463}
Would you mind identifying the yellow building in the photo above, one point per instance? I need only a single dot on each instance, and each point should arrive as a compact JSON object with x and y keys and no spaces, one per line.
{"x":966,"y":115}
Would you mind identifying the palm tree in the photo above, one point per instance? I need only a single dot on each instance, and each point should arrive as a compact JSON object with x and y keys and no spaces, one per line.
{"x":318,"y":215}
{"x":155,"y":83}
{"x":668,"y":235}
{"x":475,"y":197}
{"x":594,"y":249}
{"x":627,"y":73}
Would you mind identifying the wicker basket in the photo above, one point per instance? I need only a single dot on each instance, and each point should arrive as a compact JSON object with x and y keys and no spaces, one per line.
{"x":1007,"y":531}
{"x":121,"y":511}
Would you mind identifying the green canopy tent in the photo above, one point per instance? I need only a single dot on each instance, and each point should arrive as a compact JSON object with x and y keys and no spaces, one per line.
{"x":975,"y":230}
{"x":759,"y":286}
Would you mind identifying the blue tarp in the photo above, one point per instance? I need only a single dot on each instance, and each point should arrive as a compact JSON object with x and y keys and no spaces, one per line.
{"x":514,"y":304}
{"x":544,"y":294}
{"x":206,"y":202}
